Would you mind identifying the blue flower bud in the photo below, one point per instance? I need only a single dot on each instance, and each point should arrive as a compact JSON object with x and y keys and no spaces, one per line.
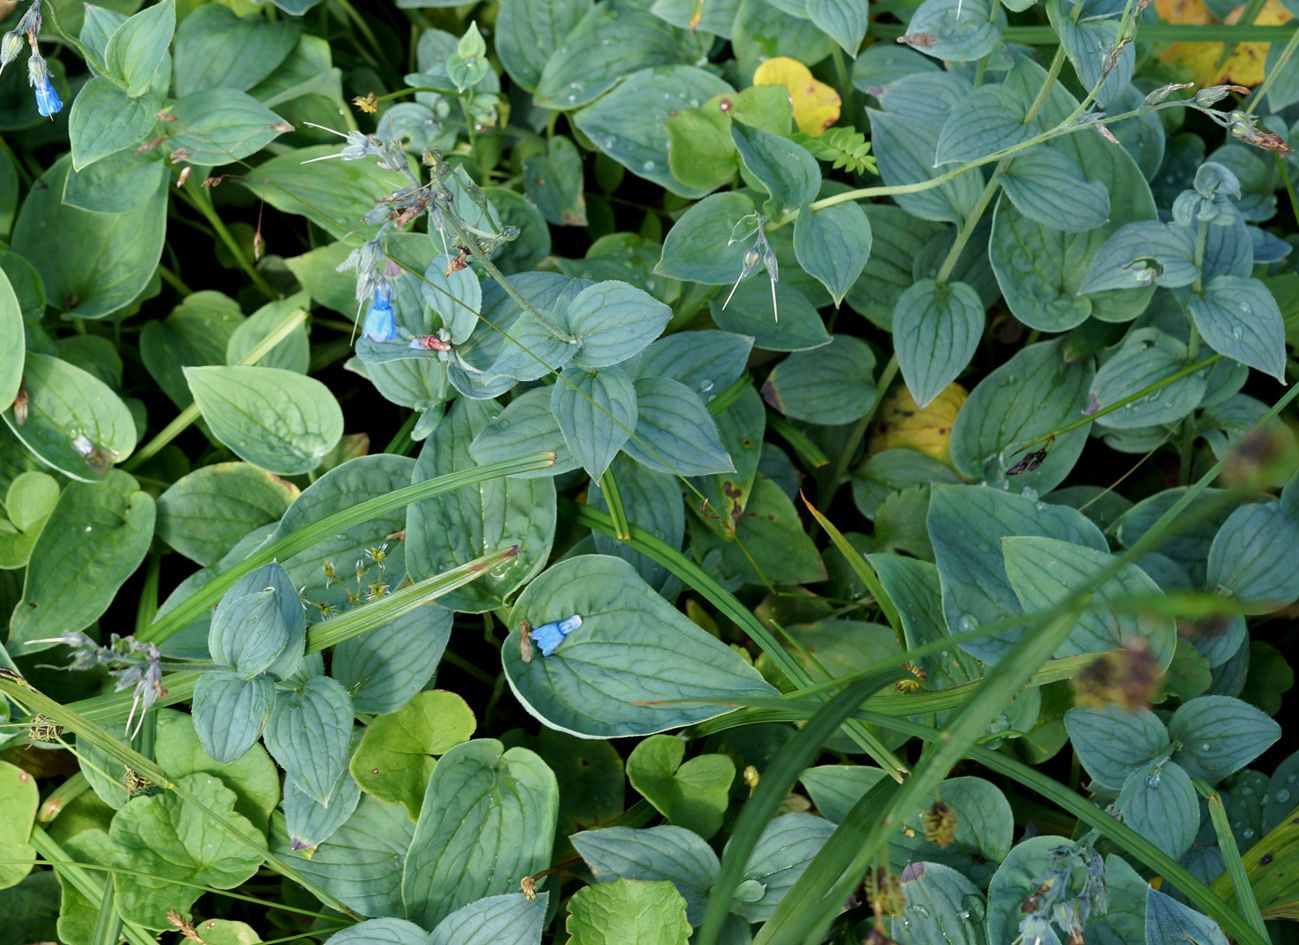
{"x":380,"y":323}
{"x":549,"y":636}
{"x":47,"y":100}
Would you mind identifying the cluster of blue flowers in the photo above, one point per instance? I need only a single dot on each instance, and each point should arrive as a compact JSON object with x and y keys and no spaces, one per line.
{"x":38,"y":73}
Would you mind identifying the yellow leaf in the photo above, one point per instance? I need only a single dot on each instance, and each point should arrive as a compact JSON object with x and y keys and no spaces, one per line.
{"x":815,"y":104}
{"x":903,"y":425}
{"x":1244,"y":67}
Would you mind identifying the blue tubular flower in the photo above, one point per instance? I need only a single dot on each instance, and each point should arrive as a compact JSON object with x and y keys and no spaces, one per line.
{"x":380,"y":323}
{"x":549,"y":636}
{"x":47,"y":100}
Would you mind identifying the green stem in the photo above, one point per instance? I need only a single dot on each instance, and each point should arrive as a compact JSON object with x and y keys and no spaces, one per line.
{"x":173,"y":280}
{"x":613,"y":498}
{"x":191,"y":413}
{"x":827,"y":488}
{"x":1275,"y":71}
{"x":401,"y":442}
{"x":201,"y":200}
{"x":971,"y":221}
{"x":808,"y":451}
{"x":1289,"y":184}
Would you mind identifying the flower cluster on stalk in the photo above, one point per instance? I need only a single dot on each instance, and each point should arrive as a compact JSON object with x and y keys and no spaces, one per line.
{"x":374,"y":269}
{"x":38,"y":72}
{"x":1072,"y":866}
{"x":132,"y":662}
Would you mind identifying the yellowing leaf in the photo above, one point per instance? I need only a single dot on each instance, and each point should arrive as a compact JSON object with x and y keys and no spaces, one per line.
{"x":1245,"y":65}
{"x":902,"y":424}
{"x":815,"y":104}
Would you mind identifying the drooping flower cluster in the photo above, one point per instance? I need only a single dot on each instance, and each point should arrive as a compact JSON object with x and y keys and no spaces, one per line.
{"x":1073,"y":866}
{"x":132,"y":662}
{"x":759,"y":252}
{"x":38,"y":72}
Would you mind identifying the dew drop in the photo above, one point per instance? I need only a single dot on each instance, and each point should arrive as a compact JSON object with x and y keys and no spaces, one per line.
{"x":1205,"y":746}
{"x":966,"y":623}
{"x":1028,"y":492}
{"x":1247,"y":832}
{"x":1040,"y":506}
{"x":1283,"y":796}
{"x":1237,"y":334}
{"x":648,"y":166}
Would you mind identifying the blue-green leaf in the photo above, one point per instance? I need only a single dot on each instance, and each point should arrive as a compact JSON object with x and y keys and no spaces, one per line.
{"x":656,"y":853}
{"x":1254,"y":557}
{"x":450,"y":529}
{"x":230,"y":713}
{"x":312,"y":823}
{"x":457,"y":297}
{"x":1168,"y":922}
{"x":381,"y":932}
{"x":612,"y":321}
{"x":632,"y":646}
{"x":1219,"y":735}
{"x":991,"y":118}
{"x":830,"y":385}
{"x":528,"y":31}
{"x":309,"y":734}
{"x":596,"y":413}
{"x":961,"y":31}
{"x":833,"y":245}
{"x":215,"y":49}
{"x":938,"y":905}
{"x":526,"y":425}
{"x":778,"y":859}
{"x":1113,"y":742}
{"x":751,"y":311}
{"x":488,"y":818}
{"x":494,"y":920}
{"x":844,"y":21}
{"x":1140,"y":254}
{"x":1146,"y":357}
{"x":697,"y":247}
{"x":218,"y":126}
{"x":1159,"y":802}
{"x":1238,"y":317}
{"x":386,"y":667}
{"x":105,"y":120}
{"x":936,"y":328}
{"x":1046,"y":186}
{"x":674,"y":432}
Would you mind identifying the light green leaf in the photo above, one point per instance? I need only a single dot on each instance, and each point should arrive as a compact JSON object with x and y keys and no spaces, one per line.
{"x":830,"y":385}
{"x":627,"y":912}
{"x":693,"y":795}
{"x":18,"y":799}
{"x":457,"y":297}
{"x":277,"y":420}
{"x":253,"y":778}
{"x":632,"y":646}
{"x":205,"y":514}
{"x":717,"y":15}
{"x":137,"y":47}
{"x":75,"y":422}
{"x":675,"y":433}
{"x":833,"y":245}
{"x":217,"y":49}
{"x":605,"y":45}
{"x":218,"y":126}
{"x":13,"y":349}
{"x":196,"y":333}
{"x":496,"y":919}
{"x":596,"y":413}
{"x":94,"y":540}
{"x":653,"y":854}
{"x":788,"y":172}
{"x":309,"y":734}
{"x":381,"y":932}
{"x":449,"y":529}
{"x":293,"y":353}
{"x":116,"y":184}
{"x":92,"y":264}
{"x":104,"y":120}
{"x":333,"y":194}
{"x":488,"y":818}
{"x":162,"y":839}
{"x":397,"y":753}
{"x":529,"y":31}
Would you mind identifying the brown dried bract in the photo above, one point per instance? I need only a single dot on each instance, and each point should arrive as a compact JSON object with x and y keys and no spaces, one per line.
{"x":368,"y":103}
{"x":923,"y":40}
{"x":459,"y":261}
{"x":529,"y":887}
{"x":21,"y":402}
